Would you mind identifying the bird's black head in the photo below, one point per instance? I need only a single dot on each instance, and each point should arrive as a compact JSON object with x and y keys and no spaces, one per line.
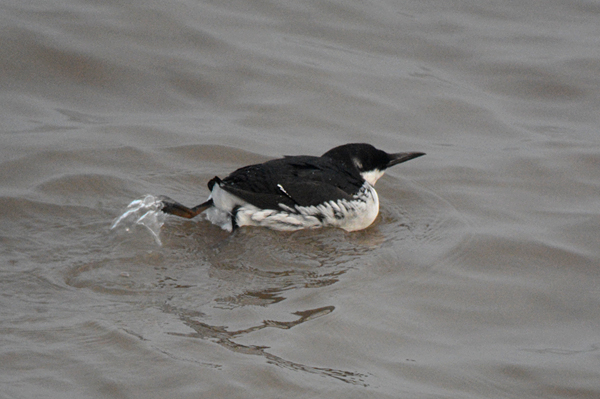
{"x":369,"y":161}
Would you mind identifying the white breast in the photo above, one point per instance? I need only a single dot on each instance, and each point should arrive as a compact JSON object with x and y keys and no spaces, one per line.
{"x":356,"y":214}
{"x":372,"y":176}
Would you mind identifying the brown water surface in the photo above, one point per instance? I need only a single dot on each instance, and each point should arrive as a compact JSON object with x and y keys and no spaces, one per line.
{"x":479,"y":279}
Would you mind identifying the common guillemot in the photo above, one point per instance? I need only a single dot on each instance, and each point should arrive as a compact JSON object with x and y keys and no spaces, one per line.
{"x":299,"y":192}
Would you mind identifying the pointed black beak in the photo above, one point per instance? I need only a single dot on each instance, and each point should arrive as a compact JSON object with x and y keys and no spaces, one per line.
{"x":403,"y":157}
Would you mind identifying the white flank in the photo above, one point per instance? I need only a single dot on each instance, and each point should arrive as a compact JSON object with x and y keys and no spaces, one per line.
{"x":356,"y":214}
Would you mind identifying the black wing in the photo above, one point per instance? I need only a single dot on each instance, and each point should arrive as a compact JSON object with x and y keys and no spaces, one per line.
{"x":300,"y":180}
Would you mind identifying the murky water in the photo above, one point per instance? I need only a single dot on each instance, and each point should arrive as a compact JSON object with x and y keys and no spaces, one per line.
{"x":479,"y":279}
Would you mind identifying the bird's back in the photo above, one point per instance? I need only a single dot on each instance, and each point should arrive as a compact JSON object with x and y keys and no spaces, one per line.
{"x":293,"y":180}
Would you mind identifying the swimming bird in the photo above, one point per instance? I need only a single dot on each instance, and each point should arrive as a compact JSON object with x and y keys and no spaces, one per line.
{"x":299,"y":192}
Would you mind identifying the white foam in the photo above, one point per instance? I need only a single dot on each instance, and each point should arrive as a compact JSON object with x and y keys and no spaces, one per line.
{"x":143,"y":212}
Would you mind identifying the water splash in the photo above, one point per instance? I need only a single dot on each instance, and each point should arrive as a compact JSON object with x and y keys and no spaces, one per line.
{"x":144,"y":212}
